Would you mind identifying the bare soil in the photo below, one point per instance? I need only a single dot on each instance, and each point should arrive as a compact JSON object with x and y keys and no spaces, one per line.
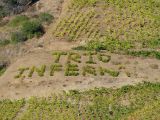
{"x":140,"y":70}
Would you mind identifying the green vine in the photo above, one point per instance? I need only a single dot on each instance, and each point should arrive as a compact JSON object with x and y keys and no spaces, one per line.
{"x":54,"y":68}
{"x":74,"y":57}
{"x":21,"y":71}
{"x":90,"y":70}
{"x":101,"y":58}
{"x":110,"y":72}
{"x":58,"y":55}
{"x":90,"y":54}
{"x":72,"y":70}
{"x":41,"y":71}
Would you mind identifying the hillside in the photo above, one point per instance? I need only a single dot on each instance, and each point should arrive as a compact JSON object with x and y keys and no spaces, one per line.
{"x":104,"y":51}
{"x":129,"y":102}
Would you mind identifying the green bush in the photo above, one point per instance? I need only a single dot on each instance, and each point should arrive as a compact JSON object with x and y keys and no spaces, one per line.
{"x":17,"y":37}
{"x":96,"y":45}
{"x":4,"y":42}
{"x":155,"y":54}
{"x":32,"y":29}
{"x":3,"y":67}
{"x":2,"y":71}
{"x":45,"y":18}
{"x":18,"y":20}
{"x":2,"y":12}
{"x":109,"y":44}
{"x":151,"y":43}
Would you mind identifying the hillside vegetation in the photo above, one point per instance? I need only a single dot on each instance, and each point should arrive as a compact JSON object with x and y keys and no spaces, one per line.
{"x":136,"y":20}
{"x":128,"y":27}
{"x":140,"y":102}
{"x":113,"y":25}
{"x":120,"y":36}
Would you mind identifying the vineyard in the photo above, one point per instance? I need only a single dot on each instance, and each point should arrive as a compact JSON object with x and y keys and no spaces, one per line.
{"x":129,"y":102}
{"x":125,"y":20}
{"x":80,"y":60}
{"x":77,"y":25}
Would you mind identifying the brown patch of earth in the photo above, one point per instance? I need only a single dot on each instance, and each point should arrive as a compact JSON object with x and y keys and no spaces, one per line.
{"x":132,"y":70}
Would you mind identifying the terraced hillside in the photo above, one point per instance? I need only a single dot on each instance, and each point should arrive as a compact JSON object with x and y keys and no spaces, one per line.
{"x":81,"y":60}
{"x":126,"y":27}
{"x":122,"y":20}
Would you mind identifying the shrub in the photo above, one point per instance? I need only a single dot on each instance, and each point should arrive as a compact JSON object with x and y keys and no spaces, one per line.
{"x":32,"y":29}
{"x":155,"y":54}
{"x":2,"y":12}
{"x":110,"y":44}
{"x":151,"y":43}
{"x":3,"y":66}
{"x":4,"y":42}
{"x":45,"y":17}
{"x":17,"y":37}
{"x":2,"y":69}
{"x":96,"y":45}
{"x":117,"y":45}
{"x":18,"y":20}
